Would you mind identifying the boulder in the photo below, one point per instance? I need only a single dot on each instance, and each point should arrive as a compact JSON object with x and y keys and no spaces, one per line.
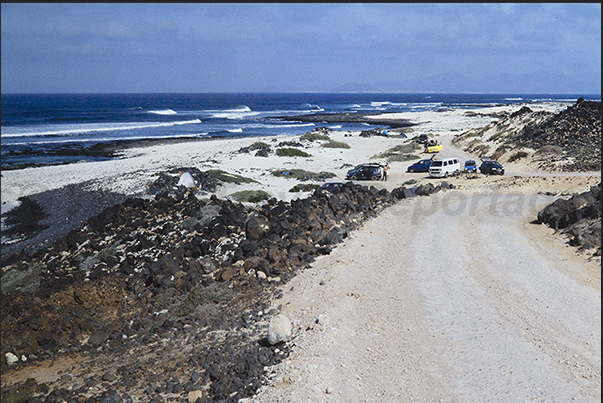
{"x":257,"y":227}
{"x":280,"y":330}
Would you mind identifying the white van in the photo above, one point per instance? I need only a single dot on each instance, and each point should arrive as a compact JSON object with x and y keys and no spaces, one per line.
{"x":443,"y":167}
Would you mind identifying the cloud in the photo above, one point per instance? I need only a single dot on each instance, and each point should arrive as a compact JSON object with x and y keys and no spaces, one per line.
{"x":295,"y":45}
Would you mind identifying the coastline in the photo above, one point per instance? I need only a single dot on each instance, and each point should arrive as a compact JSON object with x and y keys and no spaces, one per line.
{"x":111,"y":150}
{"x":61,"y":189}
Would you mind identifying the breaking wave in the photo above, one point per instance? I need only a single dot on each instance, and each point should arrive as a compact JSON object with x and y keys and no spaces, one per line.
{"x":95,"y":127}
{"x":164,"y":112}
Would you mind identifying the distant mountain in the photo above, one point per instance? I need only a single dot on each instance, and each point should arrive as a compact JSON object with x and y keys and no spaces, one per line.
{"x":356,"y":87}
{"x":532,"y":83}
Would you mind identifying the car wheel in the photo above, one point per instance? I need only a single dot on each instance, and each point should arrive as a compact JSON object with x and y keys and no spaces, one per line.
{"x":446,"y":175}
{"x":353,"y":177}
{"x":374,"y":177}
{"x":411,"y":170}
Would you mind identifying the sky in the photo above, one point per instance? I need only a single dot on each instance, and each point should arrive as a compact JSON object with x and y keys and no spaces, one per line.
{"x":525,"y":48}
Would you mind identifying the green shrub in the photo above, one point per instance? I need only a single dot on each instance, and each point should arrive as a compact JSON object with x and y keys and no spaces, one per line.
{"x":401,"y":152}
{"x":229,"y":178}
{"x":312,"y":136}
{"x":259,"y":144}
{"x":250,"y":196}
{"x":303,"y":175}
{"x":403,"y":157}
{"x":291,"y":152}
{"x":291,"y":173}
{"x":336,"y":144}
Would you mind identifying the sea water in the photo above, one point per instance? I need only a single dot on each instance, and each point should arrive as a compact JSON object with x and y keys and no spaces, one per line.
{"x":58,"y":128}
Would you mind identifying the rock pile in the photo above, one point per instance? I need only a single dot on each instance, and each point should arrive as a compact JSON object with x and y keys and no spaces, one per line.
{"x":170,"y":293}
{"x":577,"y":130}
{"x":579,"y":217}
{"x":373,"y":132}
{"x":168,"y":180}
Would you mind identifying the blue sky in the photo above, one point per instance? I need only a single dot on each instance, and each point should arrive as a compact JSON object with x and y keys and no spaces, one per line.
{"x":295,"y":47}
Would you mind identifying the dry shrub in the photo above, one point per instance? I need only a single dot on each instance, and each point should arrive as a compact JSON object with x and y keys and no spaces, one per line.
{"x":549,"y":149}
{"x":518,"y":155}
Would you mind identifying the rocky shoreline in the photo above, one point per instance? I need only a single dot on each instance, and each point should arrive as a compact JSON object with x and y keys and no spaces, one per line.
{"x":370,"y":118}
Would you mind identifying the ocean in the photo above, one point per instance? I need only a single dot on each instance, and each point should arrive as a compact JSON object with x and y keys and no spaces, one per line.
{"x":45,"y":129}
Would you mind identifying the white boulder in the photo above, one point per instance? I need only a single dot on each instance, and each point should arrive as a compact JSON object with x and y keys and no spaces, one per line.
{"x":279,"y":330}
{"x":11,"y":358}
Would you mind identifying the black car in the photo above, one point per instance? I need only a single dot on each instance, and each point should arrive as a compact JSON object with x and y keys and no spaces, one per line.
{"x":332,"y":187}
{"x":492,"y":168}
{"x":422,"y":139}
{"x":365,"y":171}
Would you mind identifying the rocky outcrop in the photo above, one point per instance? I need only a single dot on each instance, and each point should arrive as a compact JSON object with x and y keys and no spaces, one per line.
{"x":577,"y":130}
{"x":579,"y":217}
{"x":567,"y":141}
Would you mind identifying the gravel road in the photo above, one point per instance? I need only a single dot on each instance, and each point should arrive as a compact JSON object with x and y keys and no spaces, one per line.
{"x":459,"y":299}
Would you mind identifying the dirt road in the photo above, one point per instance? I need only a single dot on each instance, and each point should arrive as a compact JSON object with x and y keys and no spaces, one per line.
{"x":459,"y":299}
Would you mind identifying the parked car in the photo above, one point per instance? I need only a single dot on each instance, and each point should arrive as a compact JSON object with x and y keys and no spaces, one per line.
{"x":433,"y":146}
{"x":420,"y":166}
{"x":492,"y":168}
{"x":422,"y":139}
{"x":444,"y":167}
{"x":470,"y":166}
{"x":371,"y":171}
{"x":332,"y":187}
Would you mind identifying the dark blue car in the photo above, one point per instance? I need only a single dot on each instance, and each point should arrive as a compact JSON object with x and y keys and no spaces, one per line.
{"x":420,"y":166}
{"x":492,"y":168}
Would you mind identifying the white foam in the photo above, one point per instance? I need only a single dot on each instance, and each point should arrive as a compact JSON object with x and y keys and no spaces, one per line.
{"x":377,"y":104}
{"x":239,"y":112}
{"x":95,"y":127}
{"x":164,"y":112}
{"x":109,"y":139}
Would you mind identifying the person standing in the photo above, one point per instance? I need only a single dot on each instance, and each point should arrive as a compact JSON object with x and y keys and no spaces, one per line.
{"x":385,"y":171}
